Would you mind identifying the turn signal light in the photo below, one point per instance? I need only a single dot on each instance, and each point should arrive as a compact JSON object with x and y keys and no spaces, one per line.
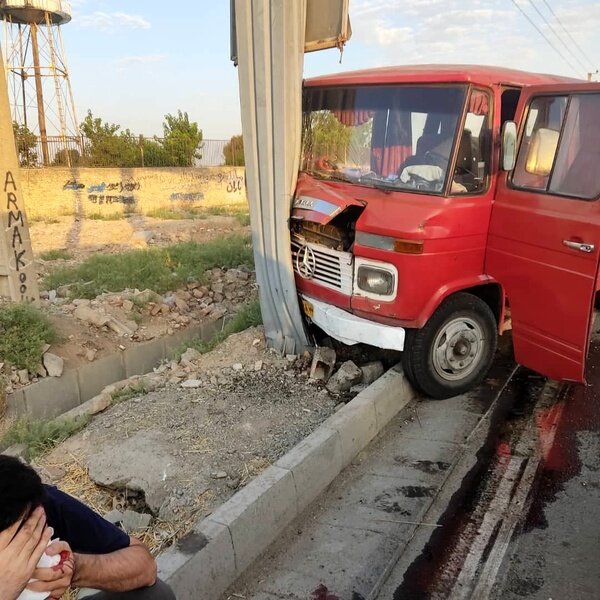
{"x":408,"y":246}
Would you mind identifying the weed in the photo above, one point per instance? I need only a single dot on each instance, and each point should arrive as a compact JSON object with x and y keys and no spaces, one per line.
{"x":129,"y":392}
{"x":23,"y":332}
{"x":40,"y":436}
{"x":136,"y":317}
{"x":248,"y":316}
{"x":116,"y":216}
{"x":174,"y":214}
{"x":159,"y":269}
{"x":61,"y":254}
{"x":45,"y":220}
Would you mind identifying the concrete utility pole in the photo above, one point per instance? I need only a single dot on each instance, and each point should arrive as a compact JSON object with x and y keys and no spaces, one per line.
{"x":270,"y":40}
{"x":18,"y":279}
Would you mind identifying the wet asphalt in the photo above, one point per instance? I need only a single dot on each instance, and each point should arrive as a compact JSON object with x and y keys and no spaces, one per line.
{"x":556,"y":554}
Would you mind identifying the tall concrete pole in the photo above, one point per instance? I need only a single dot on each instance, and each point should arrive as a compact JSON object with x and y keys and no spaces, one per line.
{"x":39,"y":90}
{"x":270,"y":50}
{"x":18,"y":279}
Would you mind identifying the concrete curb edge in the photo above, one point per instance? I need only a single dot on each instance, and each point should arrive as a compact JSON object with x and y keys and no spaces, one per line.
{"x":224,"y":544}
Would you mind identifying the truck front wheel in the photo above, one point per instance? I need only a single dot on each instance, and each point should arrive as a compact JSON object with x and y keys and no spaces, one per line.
{"x":454,"y":351}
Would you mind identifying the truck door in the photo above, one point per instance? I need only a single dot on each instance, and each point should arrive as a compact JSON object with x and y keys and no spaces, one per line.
{"x":544,"y":237}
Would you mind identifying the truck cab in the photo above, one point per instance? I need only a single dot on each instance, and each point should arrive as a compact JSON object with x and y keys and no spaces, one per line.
{"x":433,"y":201}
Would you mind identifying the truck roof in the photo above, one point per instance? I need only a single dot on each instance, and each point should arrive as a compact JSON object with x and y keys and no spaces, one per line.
{"x":477,"y":74}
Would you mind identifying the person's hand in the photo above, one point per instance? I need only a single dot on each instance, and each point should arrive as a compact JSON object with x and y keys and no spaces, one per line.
{"x":55,"y":581}
{"x":20,"y":552}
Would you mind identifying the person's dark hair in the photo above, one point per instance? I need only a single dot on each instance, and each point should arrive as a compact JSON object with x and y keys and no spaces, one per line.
{"x":21,"y":490}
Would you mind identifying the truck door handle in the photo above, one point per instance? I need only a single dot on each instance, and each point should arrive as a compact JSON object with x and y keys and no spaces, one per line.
{"x":581,"y":246}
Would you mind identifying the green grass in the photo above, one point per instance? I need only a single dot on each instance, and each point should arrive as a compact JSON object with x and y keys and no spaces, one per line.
{"x":159,"y":269}
{"x":115,"y":216}
{"x":248,"y":316}
{"x":240,"y":212}
{"x":173,"y":214}
{"x":23,"y":332}
{"x":56,"y":255}
{"x":45,"y":220}
{"x":41,"y":436}
{"x":130,"y":392}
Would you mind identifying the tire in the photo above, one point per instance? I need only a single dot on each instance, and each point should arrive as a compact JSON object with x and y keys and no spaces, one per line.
{"x":462,"y":321}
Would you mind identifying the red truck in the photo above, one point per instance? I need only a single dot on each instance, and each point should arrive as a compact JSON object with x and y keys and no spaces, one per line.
{"x":433,"y":201}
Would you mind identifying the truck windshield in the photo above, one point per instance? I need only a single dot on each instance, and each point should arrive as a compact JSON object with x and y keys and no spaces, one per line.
{"x":394,"y":137}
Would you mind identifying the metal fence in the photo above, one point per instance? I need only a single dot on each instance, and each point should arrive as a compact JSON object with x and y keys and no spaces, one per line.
{"x":127,"y":152}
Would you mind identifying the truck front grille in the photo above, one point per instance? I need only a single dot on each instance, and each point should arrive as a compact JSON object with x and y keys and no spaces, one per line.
{"x":330,"y":268}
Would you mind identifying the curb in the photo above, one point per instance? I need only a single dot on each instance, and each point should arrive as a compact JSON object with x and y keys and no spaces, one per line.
{"x":54,"y":396}
{"x":223,"y":545}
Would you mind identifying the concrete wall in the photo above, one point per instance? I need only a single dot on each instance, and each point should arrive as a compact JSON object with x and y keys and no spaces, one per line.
{"x":60,"y":192}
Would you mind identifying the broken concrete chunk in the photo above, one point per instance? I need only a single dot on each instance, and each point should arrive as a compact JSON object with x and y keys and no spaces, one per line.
{"x":98,"y":403}
{"x":323,"y":363}
{"x":189,"y":356}
{"x":89,"y":315}
{"x":371,"y":372}
{"x":142,"y":237}
{"x":23,"y":375}
{"x":192,"y":383}
{"x":53,"y":364}
{"x":114,"y":516}
{"x":133,"y":521}
{"x":219,"y":475}
{"x":347,"y":376}
{"x":122,"y":329}
{"x":237,"y":367}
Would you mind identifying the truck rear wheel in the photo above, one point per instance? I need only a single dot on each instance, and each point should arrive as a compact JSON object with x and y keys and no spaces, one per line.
{"x":454,"y":351}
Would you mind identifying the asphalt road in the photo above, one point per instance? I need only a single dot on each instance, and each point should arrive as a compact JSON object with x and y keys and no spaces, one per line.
{"x":557,"y":553}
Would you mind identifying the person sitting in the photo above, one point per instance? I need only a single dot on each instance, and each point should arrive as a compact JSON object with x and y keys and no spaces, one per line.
{"x":38,"y":520}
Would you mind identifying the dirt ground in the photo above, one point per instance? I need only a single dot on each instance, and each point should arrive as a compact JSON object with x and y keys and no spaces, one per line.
{"x":180,"y":452}
{"x":80,"y":342}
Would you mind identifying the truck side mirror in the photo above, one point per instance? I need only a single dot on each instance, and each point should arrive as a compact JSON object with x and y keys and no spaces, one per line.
{"x":509,"y":145}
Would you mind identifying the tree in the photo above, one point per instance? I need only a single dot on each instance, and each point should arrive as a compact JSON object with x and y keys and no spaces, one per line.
{"x":26,"y":142}
{"x":107,"y":146}
{"x":67,"y":157}
{"x":182,"y":139}
{"x":234,"y":152}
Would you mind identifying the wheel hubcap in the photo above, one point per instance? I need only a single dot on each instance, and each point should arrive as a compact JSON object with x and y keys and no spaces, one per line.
{"x":458,"y":348}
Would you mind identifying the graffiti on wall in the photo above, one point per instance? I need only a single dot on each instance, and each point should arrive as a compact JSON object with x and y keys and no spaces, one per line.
{"x":96,"y":191}
{"x":119,"y":186}
{"x":232,"y":182}
{"x":187,"y":196}
{"x":73,"y":184}
{"x":16,"y":226}
{"x":105,"y":199}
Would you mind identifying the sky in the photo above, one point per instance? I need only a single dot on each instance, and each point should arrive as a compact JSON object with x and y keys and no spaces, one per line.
{"x":133,"y":61}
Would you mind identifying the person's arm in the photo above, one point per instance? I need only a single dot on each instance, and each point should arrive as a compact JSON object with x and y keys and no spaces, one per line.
{"x":121,"y":571}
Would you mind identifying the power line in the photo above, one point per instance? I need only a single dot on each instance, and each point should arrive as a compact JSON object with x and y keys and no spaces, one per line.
{"x":585,"y":56}
{"x":545,"y":36}
{"x":558,"y":37}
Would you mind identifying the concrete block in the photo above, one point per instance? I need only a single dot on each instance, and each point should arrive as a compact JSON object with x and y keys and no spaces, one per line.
{"x":391,"y":393}
{"x":53,"y":396}
{"x":441,"y":425}
{"x":202,"y":564}
{"x":93,"y":378}
{"x":15,"y":404}
{"x":142,"y":358}
{"x":257,"y":514}
{"x":315,"y":462}
{"x":176,"y":342}
{"x":356,"y":425}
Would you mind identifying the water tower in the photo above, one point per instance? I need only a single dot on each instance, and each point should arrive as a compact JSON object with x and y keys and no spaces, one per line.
{"x":38,"y":79}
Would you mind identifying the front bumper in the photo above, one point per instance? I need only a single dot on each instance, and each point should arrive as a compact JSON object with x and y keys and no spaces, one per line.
{"x":350,"y":329}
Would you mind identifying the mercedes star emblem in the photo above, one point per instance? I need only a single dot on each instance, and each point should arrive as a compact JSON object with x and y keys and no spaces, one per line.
{"x":306,"y":263}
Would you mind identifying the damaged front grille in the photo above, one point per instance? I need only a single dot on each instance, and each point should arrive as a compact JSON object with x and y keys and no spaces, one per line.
{"x":330,"y":268}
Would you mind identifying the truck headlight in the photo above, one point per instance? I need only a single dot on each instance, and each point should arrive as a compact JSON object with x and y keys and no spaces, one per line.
{"x":375,"y":281}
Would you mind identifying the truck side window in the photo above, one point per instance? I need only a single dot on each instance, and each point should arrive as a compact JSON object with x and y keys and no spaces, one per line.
{"x":560,"y":151}
{"x":576,"y":169}
{"x":472,"y":163}
{"x":540,"y":142}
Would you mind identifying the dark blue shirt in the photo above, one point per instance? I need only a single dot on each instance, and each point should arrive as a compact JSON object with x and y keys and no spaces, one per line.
{"x":83,"y":529}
